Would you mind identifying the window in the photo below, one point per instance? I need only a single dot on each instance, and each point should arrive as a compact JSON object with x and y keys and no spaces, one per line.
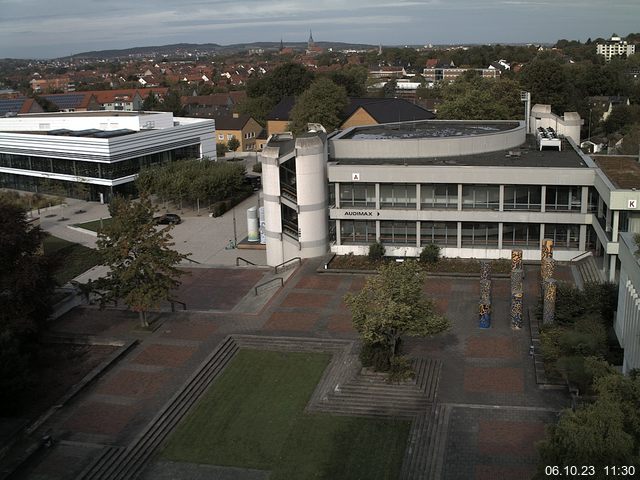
{"x":398,"y":233}
{"x":397,"y":195}
{"x":564,"y":236}
{"x":520,"y":235}
{"x":440,"y":233}
{"x":357,"y":195}
{"x":564,"y":199}
{"x":439,"y":196}
{"x":480,"y":197}
{"x":479,"y":234}
{"x":357,"y":232}
{"x":221,"y":136}
{"x":522,"y":197}
{"x":229,"y":136}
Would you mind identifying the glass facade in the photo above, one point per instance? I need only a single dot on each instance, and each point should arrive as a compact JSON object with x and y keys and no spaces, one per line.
{"x":436,"y":196}
{"x":520,"y":235}
{"x":564,"y":236}
{"x":398,"y":233}
{"x":105,"y":170}
{"x":479,"y":234}
{"x":563,"y":199}
{"x":398,"y":195}
{"x":362,"y":195}
{"x":440,"y":233}
{"x":357,"y":232}
{"x":523,"y":197}
{"x":480,"y":197}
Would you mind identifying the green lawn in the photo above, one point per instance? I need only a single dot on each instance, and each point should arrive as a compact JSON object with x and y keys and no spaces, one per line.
{"x":94,"y":225}
{"x":253,"y":417}
{"x":70,"y":259}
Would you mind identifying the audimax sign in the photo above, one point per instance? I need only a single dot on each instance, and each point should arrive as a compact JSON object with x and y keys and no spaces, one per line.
{"x":361,"y":213}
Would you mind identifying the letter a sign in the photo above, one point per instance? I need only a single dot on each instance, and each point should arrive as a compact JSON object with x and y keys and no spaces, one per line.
{"x":355,"y":177}
{"x":632,"y":203}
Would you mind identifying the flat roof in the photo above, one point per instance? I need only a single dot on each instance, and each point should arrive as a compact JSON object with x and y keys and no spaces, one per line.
{"x":88,"y":113}
{"x":623,"y":171}
{"x":527,"y":155}
{"x":428,"y":129}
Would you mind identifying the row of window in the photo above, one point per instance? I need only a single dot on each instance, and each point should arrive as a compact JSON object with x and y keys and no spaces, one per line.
{"x":110,"y":171}
{"x":474,"y":197}
{"x":445,"y":234}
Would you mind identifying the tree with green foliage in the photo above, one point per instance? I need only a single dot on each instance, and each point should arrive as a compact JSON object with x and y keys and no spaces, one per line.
{"x":26,"y":287}
{"x":353,"y":78}
{"x":221,"y":149}
{"x":472,"y":97}
{"x":151,"y":103}
{"x":548,"y":82}
{"x":257,"y":108}
{"x":288,"y":79}
{"x":604,"y":433}
{"x":323,"y":102}
{"x":233,"y":144}
{"x":392,"y":304}
{"x":142,"y":265}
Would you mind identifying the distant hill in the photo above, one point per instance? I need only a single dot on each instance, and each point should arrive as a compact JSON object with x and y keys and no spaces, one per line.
{"x":193,"y":48}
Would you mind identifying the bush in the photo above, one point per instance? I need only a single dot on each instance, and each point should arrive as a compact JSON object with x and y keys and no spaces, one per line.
{"x":376,"y":356}
{"x":218,"y":208}
{"x":430,"y":253}
{"x":376,"y":251}
{"x":221,"y":149}
{"x":257,"y":167}
{"x":400,"y":369}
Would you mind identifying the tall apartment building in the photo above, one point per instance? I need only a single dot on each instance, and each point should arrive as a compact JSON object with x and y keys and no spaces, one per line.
{"x":615,"y":47}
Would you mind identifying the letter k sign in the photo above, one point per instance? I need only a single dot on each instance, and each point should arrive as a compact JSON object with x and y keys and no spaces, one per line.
{"x":632,"y":204}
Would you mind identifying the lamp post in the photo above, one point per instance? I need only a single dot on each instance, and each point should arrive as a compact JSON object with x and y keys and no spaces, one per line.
{"x":590,"y":110}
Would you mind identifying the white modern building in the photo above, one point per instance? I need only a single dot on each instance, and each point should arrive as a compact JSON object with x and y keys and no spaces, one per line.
{"x":627,"y":321}
{"x":615,"y":47}
{"x":478,"y":189}
{"x":104,"y":150}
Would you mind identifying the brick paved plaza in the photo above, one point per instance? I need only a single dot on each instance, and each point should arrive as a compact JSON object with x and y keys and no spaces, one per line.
{"x":487,"y":377}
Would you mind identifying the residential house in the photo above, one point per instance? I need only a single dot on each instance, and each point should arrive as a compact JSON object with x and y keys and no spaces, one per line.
{"x":210,"y":106}
{"x":606,"y":104}
{"x":241,"y":127}
{"x":15,"y":106}
{"x":615,"y":47}
{"x":73,"y":102}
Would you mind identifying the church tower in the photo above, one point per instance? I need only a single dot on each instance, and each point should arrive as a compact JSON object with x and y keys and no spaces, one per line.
{"x":310,"y":42}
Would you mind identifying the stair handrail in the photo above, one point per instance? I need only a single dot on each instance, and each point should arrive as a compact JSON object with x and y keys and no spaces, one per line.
{"x":298,"y":259}
{"x":586,"y":254}
{"x":267,"y":283}
{"x":248,"y":262}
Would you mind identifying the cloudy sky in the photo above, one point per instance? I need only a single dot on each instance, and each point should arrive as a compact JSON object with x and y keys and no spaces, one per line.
{"x":51,"y":28}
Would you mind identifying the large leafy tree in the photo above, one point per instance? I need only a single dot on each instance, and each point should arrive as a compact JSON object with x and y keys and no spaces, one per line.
{"x":143,"y":266}
{"x":323,"y":102}
{"x":288,"y":79}
{"x":26,"y":286}
{"x":604,"y":433}
{"x":392,"y":304}
{"x":474,"y":98}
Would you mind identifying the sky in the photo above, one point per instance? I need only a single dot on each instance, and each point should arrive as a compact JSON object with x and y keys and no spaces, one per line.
{"x":53,"y":28}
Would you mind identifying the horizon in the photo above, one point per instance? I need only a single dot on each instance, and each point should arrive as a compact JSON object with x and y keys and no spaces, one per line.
{"x":54,"y":33}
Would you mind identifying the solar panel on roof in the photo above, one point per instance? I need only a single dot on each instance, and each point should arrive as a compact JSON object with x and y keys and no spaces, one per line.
{"x":66,"y":101}
{"x":113,"y":133}
{"x":10,"y":105}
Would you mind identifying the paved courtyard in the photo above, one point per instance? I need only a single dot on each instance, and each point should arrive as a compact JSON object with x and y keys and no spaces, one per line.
{"x":487,"y":383}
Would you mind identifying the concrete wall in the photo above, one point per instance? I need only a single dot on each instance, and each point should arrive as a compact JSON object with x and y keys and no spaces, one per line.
{"x":429,"y":147}
{"x":567,"y":125}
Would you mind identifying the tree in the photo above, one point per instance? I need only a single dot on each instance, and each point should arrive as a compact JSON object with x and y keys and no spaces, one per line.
{"x":26,"y":287}
{"x":257,"y":108}
{"x":392,"y":304}
{"x":151,"y":103}
{"x":233,"y":144}
{"x":474,"y":98}
{"x":323,"y":102}
{"x":142,"y":264}
{"x":606,"y":432}
{"x":286,"y":80}
{"x":548,"y":83}
{"x":221,"y":149}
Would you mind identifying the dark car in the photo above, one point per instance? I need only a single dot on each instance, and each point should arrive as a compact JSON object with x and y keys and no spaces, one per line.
{"x":167,"y":219}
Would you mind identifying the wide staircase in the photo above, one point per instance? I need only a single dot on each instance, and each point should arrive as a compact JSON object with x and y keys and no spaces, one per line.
{"x":585,"y":270}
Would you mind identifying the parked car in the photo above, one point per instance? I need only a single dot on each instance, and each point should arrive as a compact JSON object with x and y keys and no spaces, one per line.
{"x":167,"y":219}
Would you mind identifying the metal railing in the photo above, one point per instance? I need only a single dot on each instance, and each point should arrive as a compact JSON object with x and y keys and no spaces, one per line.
{"x":582,"y":256}
{"x":173,"y":304}
{"x":247,"y":262}
{"x":267,"y":283}
{"x":283,"y":264}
